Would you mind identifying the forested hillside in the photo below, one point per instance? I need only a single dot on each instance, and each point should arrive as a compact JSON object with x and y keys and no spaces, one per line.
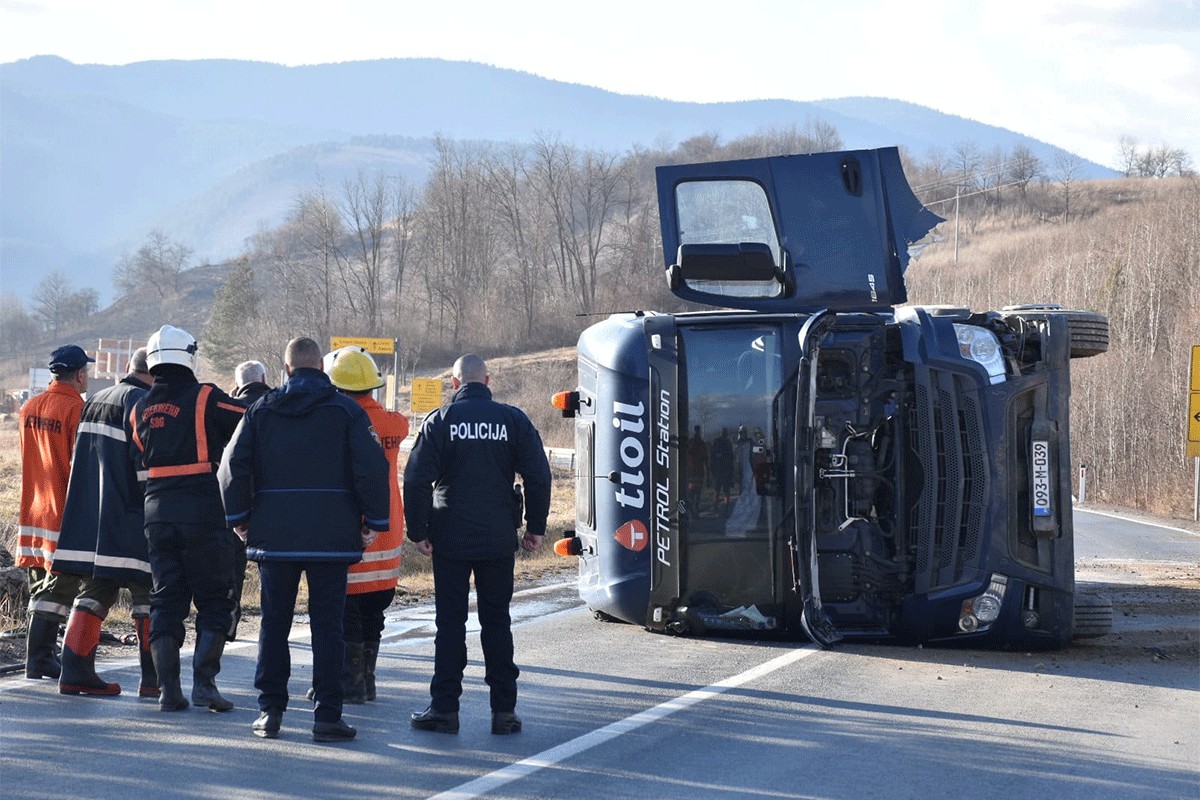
{"x":510,"y":250}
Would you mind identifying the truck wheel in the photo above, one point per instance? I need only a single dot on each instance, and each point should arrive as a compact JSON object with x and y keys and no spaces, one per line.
{"x":1089,"y":330}
{"x":1093,"y":615}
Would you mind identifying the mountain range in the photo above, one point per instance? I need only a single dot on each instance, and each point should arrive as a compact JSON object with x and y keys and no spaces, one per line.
{"x":92,"y":158}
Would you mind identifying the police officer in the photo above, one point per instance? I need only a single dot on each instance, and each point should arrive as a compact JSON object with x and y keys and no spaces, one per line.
{"x":48,"y":425}
{"x":103,"y":536}
{"x":180,"y":428}
{"x":305,"y":483}
{"x":460,"y":508}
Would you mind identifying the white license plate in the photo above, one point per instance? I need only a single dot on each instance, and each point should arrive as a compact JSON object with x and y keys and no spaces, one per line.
{"x":1040,"y":478}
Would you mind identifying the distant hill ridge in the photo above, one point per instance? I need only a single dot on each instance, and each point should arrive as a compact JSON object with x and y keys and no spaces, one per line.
{"x":96,"y":156}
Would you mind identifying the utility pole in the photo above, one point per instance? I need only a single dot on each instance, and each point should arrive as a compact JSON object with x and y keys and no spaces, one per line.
{"x":957,"y":190}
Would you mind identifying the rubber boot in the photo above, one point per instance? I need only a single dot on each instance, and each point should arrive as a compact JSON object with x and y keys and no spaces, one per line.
{"x":354,"y":684}
{"x":370,"y":656}
{"x":149,"y":684}
{"x":206,"y":663}
{"x":40,"y":660}
{"x":165,"y":652}
{"x":79,"y":656}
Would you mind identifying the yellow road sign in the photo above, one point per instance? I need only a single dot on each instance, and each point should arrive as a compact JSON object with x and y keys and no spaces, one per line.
{"x":426,"y":395}
{"x":371,"y":345}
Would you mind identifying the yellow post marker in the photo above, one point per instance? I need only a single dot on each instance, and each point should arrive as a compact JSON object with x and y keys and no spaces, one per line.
{"x":1193,"y":439}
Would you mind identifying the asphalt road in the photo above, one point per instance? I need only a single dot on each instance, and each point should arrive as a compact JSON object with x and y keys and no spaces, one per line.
{"x":614,"y":712}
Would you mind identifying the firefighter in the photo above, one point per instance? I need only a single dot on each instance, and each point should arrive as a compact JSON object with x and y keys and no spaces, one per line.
{"x":103,"y":537}
{"x":180,"y":428}
{"x":372,"y":582}
{"x":48,"y":425}
{"x":461,"y":509}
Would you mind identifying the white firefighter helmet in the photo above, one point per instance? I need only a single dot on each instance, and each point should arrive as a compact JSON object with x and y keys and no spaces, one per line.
{"x":353,"y":370}
{"x":171,"y":345}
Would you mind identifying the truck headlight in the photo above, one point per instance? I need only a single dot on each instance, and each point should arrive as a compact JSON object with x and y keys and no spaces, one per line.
{"x":982,"y":610}
{"x":981,"y":346}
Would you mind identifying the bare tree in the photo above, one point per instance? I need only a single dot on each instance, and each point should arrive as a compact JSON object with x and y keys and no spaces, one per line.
{"x":1022,"y":167}
{"x":1067,"y":167}
{"x":155,"y":266}
{"x":52,"y":301}
{"x":364,"y":208}
{"x":580,"y":188}
{"x":18,"y":330}
{"x":1127,"y":156}
{"x":965,"y":163}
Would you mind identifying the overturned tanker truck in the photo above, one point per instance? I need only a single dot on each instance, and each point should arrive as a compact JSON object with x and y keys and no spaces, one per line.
{"x":810,"y":456}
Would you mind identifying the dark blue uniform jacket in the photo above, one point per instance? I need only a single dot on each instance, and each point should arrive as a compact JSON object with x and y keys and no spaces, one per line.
{"x":304,"y":471}
{"x":458,"y":484}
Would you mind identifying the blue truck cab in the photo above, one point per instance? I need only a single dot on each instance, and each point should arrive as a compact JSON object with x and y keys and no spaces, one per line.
{"x":811,"y":457}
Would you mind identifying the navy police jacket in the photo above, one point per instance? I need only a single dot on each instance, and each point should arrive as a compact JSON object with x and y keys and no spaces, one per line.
{"x":304,"y":472}
{"x":458,"y":484}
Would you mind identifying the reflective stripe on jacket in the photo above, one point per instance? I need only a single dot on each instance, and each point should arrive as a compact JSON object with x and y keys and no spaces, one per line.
{"x":48,"y":425}
{"x":180,"y":429}
{"x":379,"y":569}
{"x":103,"y":530}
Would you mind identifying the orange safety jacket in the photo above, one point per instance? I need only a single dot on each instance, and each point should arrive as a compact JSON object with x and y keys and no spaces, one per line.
{"x":379,"y":569}
{"x":48,"y":425}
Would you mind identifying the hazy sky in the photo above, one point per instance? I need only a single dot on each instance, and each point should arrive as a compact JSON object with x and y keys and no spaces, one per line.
{"x":1074,"y":73}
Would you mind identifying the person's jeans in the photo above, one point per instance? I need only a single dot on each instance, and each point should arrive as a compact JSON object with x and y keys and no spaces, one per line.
{"x":279,"y":582}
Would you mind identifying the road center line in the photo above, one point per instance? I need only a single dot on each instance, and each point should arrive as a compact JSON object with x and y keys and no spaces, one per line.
{"x":556,"y":755}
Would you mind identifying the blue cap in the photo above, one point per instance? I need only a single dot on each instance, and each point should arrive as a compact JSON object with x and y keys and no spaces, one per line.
{"x":69,"y":358}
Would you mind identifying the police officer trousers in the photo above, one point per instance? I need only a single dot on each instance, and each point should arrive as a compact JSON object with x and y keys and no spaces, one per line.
{"x":279,"y":582}
{"x":190,"y":564}
{"x":493,"y":591}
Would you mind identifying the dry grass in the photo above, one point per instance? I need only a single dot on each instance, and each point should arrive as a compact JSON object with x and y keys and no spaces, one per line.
{"x":416,"y":580}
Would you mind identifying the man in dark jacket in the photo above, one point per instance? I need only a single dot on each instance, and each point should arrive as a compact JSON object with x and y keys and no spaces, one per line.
{"x":305,"y":483}
{"x":460,"y":507}
{"x":179,"y":429}
{"x":103,"y":537}
{"x":250,"y":383}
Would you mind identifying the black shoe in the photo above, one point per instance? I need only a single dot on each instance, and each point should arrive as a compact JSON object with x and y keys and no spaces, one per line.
{"x":505,"y":722}
{"x":333,"y":732}
{"x":267,"y":724}
{"x":436,"y":721}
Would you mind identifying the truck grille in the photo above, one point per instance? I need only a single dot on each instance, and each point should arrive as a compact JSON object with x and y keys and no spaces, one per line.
{"x":948,"y":519}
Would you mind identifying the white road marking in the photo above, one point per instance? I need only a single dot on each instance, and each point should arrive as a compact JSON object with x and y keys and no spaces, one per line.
{"x":556,"y":755}
{"x":1138,"y":520}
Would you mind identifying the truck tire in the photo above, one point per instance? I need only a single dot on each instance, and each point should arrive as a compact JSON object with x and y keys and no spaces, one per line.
{"x":1089,"y":330}
{"x":1093,"y":615}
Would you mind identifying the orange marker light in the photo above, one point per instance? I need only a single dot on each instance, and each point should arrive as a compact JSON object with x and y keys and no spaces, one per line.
{"x":569,"y":546}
